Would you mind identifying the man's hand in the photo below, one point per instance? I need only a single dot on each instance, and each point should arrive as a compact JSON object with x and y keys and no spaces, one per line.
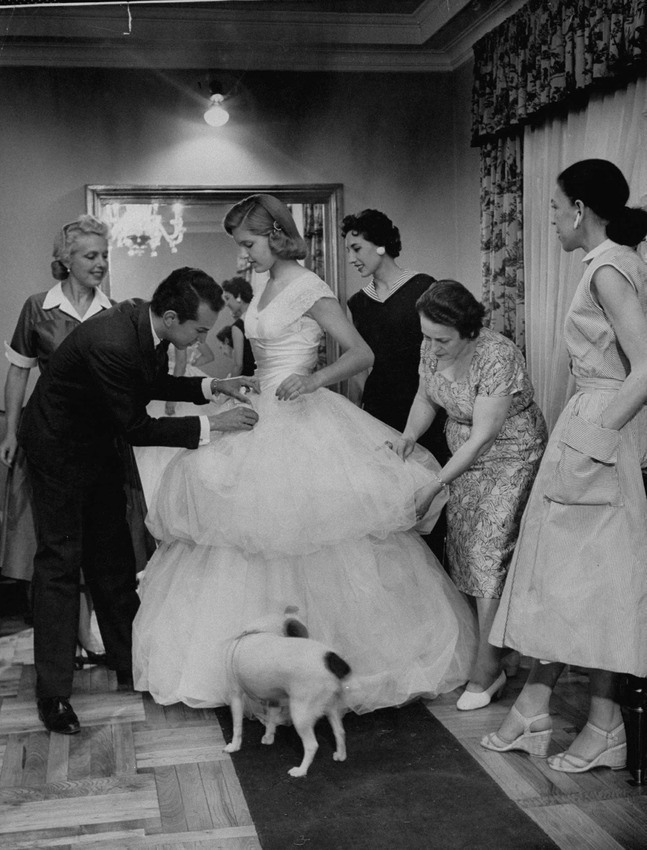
{"x":237,"y":419}
{"x":233,"y":386}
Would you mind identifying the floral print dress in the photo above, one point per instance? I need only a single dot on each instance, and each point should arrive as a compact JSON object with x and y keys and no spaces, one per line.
{"x":487,"y":501}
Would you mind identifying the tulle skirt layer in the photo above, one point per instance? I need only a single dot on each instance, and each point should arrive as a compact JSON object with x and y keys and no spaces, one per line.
{"x":385,"y":606}
{"x":311,"y":473}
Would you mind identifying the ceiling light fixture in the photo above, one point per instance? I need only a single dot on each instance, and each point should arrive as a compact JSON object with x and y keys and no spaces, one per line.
{"x":216,"y":114}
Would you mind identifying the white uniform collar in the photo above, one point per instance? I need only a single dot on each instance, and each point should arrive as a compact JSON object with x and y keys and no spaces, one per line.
{"x":57,"y":298}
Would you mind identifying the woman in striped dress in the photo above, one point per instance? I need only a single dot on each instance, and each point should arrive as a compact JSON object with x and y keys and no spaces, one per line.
{"x":575,"y":592}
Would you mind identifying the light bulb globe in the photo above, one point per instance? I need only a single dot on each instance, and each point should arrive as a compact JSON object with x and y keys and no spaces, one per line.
{"x":216,"y":115}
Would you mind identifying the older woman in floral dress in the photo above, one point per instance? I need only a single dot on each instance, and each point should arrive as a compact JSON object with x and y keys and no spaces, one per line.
{"x":496,"y":434}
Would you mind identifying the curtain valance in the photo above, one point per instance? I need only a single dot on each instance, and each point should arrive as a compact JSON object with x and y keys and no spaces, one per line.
{"x":548,"y":52}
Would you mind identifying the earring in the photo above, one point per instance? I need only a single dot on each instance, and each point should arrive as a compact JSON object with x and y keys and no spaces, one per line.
{"x":381,"y":250}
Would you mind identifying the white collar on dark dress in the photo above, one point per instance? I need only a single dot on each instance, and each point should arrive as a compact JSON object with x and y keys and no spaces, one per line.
{"x":57,"y":298}
{"x":371,"y":290}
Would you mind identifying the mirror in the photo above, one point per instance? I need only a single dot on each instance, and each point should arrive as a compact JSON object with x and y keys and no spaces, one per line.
{"x":159,"y":228}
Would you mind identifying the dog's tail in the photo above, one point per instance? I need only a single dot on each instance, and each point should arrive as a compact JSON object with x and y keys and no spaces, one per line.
{"x":336,"y":665}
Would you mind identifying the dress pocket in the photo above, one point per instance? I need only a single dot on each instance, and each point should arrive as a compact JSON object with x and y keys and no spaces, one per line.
{"x":586,"y":472}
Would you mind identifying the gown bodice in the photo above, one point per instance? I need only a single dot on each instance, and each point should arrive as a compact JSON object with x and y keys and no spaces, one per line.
{"x":284,"y":339}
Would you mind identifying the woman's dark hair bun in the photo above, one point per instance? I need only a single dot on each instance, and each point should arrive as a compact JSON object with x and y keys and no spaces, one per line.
{"x":628,"y":227}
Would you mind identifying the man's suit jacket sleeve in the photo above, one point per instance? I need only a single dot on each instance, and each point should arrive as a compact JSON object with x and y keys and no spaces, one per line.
{"x":126,"y":391}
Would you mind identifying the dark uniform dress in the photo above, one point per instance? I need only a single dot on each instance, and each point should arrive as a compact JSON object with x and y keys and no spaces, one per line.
{"x":392,"y":330}
{"x":45,"y":320}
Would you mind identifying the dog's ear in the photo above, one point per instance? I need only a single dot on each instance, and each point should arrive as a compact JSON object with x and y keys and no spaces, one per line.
{"x":295,"y":628}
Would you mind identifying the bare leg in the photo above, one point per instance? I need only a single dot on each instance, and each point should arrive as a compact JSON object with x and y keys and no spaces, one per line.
{"x":534,"y":699}
{"x":486,"y":667}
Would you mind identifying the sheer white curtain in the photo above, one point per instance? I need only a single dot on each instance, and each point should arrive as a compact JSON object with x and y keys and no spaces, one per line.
{"x":612,"y":126}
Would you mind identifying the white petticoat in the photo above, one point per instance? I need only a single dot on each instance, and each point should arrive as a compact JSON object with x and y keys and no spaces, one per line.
{"x":311,"y":509}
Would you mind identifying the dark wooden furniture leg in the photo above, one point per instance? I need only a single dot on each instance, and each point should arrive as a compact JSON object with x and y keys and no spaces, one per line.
{"x":634,"y":710}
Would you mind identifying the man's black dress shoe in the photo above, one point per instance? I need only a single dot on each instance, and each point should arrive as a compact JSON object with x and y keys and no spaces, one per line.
{"x":58,"y":715}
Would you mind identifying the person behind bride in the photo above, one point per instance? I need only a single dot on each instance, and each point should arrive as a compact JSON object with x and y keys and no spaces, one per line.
{"x":238,"y":294}
{"x":384,"y":312}
{"x":310,"y":508}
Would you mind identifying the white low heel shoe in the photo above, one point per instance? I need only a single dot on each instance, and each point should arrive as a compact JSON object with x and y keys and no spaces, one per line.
{"x":469,"y":700}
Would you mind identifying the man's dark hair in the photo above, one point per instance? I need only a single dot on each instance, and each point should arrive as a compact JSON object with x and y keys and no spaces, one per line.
{"x":183,"y":291}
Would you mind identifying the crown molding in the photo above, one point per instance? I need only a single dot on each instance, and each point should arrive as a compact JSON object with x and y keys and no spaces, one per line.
{"x":177,"y":36}
{"x":224,"y":56}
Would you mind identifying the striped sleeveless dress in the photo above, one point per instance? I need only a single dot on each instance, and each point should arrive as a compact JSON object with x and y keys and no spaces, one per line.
{"x":576,"y":590}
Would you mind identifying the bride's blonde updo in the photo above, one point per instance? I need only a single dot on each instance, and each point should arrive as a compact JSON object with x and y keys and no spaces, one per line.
{"x":265,"y":215}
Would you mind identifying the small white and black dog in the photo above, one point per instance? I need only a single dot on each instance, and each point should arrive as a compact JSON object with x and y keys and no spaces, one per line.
{"x":274,"y":660}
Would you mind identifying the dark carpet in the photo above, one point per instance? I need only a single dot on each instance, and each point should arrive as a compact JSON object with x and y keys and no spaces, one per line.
{"x":407,"y":785}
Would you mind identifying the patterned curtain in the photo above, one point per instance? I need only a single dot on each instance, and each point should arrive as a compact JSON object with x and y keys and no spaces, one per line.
{"x":551,"y":51}
{"x":547,"y":56}
{"x":313,"y":232}
{"x":502,"y":237}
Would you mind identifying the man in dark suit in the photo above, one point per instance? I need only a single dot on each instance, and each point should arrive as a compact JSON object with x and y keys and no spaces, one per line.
{"x":94,"y":393}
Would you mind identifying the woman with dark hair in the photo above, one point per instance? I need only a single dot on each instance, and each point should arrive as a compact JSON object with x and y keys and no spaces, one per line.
{"x":577,"y":584}
{"x":308,"y":509}
{"x":238,"y":293}
{"x":384,"y":312}
{"x":80,"y":264}
{"x":496,"y":434}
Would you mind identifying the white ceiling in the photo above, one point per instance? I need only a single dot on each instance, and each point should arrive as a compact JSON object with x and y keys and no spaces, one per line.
{"x":301,"y":35}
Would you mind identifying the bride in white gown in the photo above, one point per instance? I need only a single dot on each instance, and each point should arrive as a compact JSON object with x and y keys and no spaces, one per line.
{"x":309,"y":508}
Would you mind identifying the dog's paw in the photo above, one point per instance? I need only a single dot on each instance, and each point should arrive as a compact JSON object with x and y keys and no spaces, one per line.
{"x":267,"y":738}
{"x":297,"y":771}
{"x":232,"y":748}
{"x":339,"y":756}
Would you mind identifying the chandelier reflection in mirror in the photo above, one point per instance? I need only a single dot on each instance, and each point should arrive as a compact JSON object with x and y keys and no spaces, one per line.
{"x":140,"y":227}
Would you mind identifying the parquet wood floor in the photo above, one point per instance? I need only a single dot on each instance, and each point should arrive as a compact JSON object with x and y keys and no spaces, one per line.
{"x":599,"y":810}
{"x":139,"y":775}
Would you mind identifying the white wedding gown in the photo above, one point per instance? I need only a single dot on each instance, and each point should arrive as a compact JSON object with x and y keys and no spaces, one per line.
{"x":309,"y":508}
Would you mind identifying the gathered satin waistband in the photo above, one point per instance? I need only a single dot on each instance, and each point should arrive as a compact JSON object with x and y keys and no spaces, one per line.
{"x":584,"y":384}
